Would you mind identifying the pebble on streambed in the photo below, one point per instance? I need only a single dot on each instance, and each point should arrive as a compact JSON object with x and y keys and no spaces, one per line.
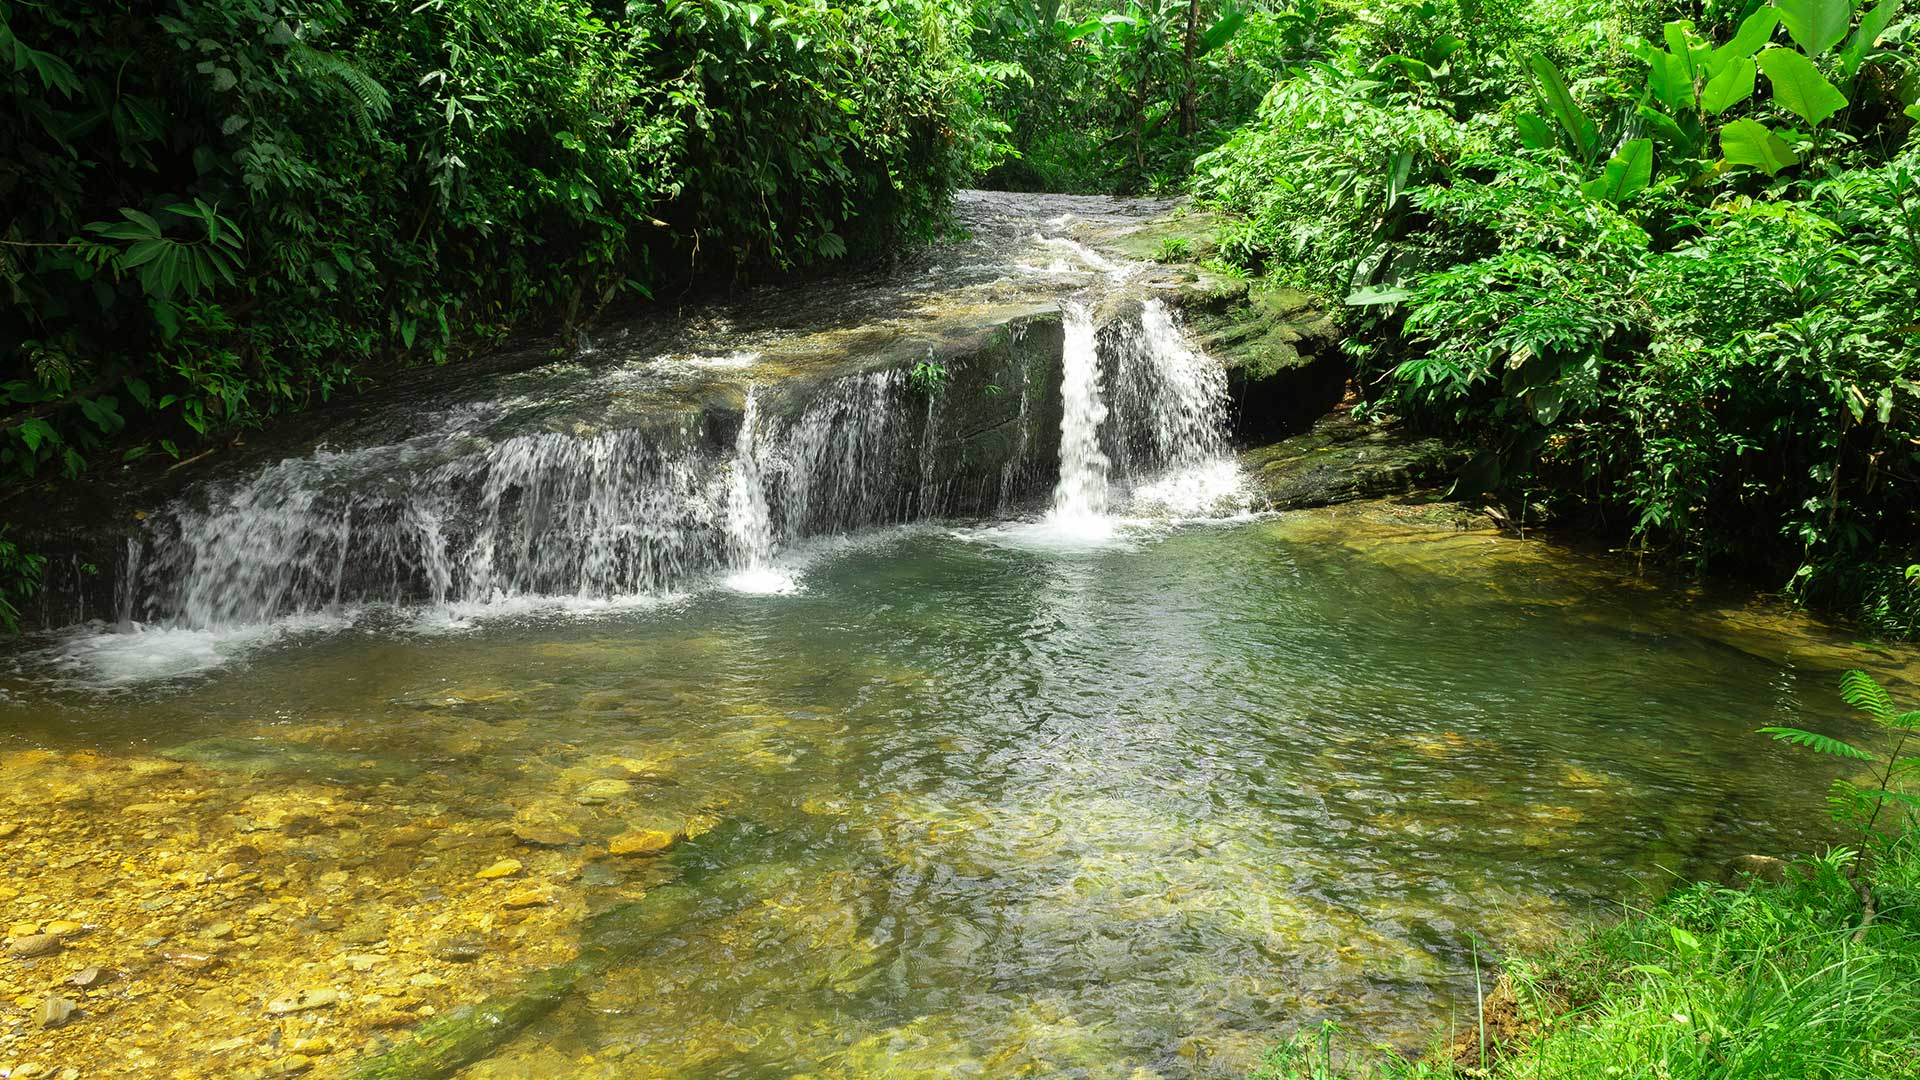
{"x":183,"y":919}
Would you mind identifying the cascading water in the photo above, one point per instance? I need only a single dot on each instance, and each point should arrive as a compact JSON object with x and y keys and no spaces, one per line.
{"x":749,"y":522}
{"x":1080,"y":495}
{"x":1142,"y":423}
{"x":1173,"y":450}
{"x":470,"y":517}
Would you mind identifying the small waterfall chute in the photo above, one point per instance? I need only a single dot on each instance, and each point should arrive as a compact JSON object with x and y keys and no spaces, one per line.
{"x":1080,"y":493}
{"x":750,"y":547}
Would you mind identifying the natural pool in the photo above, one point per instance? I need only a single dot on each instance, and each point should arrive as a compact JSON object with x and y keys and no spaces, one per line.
{"x":967,"y":803}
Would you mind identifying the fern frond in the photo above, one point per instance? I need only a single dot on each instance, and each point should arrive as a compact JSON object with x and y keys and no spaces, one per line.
{"x":1863,"y":693}
{"x":365,"y":98}
{"x":1813,"y":741}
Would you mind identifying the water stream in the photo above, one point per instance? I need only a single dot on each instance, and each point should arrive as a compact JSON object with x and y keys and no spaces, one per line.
{"x":1125,"y":782}
{"x":1080,"y":495}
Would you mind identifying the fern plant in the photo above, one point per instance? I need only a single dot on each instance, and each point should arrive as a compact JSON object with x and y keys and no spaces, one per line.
{"x":1851,"y":804}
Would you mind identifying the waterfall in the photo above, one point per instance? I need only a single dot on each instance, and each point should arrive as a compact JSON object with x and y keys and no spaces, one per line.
{"x":1172,"y":449}
{"x":749,"y":525}
{"x":1143,"y":422}
{"x":469,"y":516}
{"x":1080,"y":495}
{"x":749,"y":521}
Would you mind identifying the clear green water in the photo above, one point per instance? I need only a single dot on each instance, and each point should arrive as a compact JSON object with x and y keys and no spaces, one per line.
{"x":1134,"y":811}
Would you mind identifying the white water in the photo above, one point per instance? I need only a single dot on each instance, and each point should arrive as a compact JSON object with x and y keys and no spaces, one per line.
{"x":1080,"y":495}
{"x":749,"y":521}
{"x":1142,"y":434}
{"x":457,"y":525}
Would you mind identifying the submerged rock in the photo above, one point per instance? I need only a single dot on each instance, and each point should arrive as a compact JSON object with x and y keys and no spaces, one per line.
{"x":641,"y":842}
{"x":31,"y":945}
{"x":1343,"y":459}
{"x":1749,"y":868}
{"x":459,"y":949}
{"x":264,"y":756}
{"x":54,"y":1012}
{"x":301,"y":1001}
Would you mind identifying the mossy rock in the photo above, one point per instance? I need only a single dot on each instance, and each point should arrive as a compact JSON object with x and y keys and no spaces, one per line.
{"x":1189,"y":232}
{"x":1280,"y":348}
{"x":1342,"y":460}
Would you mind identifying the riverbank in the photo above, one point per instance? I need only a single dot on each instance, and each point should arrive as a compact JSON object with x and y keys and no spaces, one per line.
{"x":1763,"y":977}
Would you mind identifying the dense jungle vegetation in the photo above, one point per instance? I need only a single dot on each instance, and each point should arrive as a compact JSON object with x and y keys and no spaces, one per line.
{"x":1658,"y":261}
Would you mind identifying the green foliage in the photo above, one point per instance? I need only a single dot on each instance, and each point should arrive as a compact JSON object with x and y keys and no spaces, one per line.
{"x":1173,"y":249}
{"x":1121,"y":95}
{"x":929,"y":376}
{"x":19,"y":579}
{"x":1662,"y":271}
{"x":1859,"y":807}
{"x":1760,"y":982}
{"x":215,"y":210}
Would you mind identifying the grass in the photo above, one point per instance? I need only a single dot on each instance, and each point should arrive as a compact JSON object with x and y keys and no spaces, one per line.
{"x":1772,"y":981}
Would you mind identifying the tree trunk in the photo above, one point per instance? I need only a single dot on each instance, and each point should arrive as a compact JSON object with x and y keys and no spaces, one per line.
{"x":1188,"y":122}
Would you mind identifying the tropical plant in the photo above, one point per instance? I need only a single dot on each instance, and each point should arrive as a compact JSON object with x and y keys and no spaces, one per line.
{"x":1665,"y":284}
{"x":1861,"y":807}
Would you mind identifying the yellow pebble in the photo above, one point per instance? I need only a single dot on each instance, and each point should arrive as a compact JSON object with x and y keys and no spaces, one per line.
{"x":640,"y":842}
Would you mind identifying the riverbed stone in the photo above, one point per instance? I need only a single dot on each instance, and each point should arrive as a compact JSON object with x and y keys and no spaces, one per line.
{"x":318,"y":997}
{"x":54,"y":1012}
{"x":1345,"y":459}
{"x":548,"y":836}
{"x":641,"y":842}
{"x":459,"y":948}
{"x":31,"y":945}
{"x":504,"y":868}
{"x":1749,"y":868}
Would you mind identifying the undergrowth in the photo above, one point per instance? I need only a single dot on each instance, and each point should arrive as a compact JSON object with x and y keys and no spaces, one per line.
{"x":1813,"y":973}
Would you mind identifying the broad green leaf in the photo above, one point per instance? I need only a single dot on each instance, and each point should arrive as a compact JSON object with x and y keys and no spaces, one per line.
{"x":36,"y":432}
{"x":1536,"y":131}
{"x":1625,"y":175}
{"x":1873,"y":24}
{"x":1755,"y":31}
{"x":1221,"y":32}
{"x":1815,"y":25}
{"x":1669,"y":132}
{"x":1686,"y":941}
{"x":143,"y":252}
{"x":1669,"y":77}
{"x":1799,"y":86}
{"x":1546,"y":403}
{"x":1372,"y":295}
{"x":1732,"y":86}
{"x":1686,"y":46}
{"x":1561,"y":104}
{"x":1912,"y":111}
{"x":142,"y":219}
{"x":1751,"y":143}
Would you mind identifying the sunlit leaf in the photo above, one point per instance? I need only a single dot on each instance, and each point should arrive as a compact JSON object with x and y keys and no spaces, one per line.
{"x":1753,"y":144}
{"x":1799,"y":86}
{"x":1815,"y":25}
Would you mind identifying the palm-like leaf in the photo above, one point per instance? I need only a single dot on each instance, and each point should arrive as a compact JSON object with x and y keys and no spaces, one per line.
{"x":1824,"y":744}
{"x":1863,"y":693}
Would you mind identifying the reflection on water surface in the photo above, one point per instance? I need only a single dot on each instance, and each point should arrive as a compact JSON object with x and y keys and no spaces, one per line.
{"x":961,"y":806}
